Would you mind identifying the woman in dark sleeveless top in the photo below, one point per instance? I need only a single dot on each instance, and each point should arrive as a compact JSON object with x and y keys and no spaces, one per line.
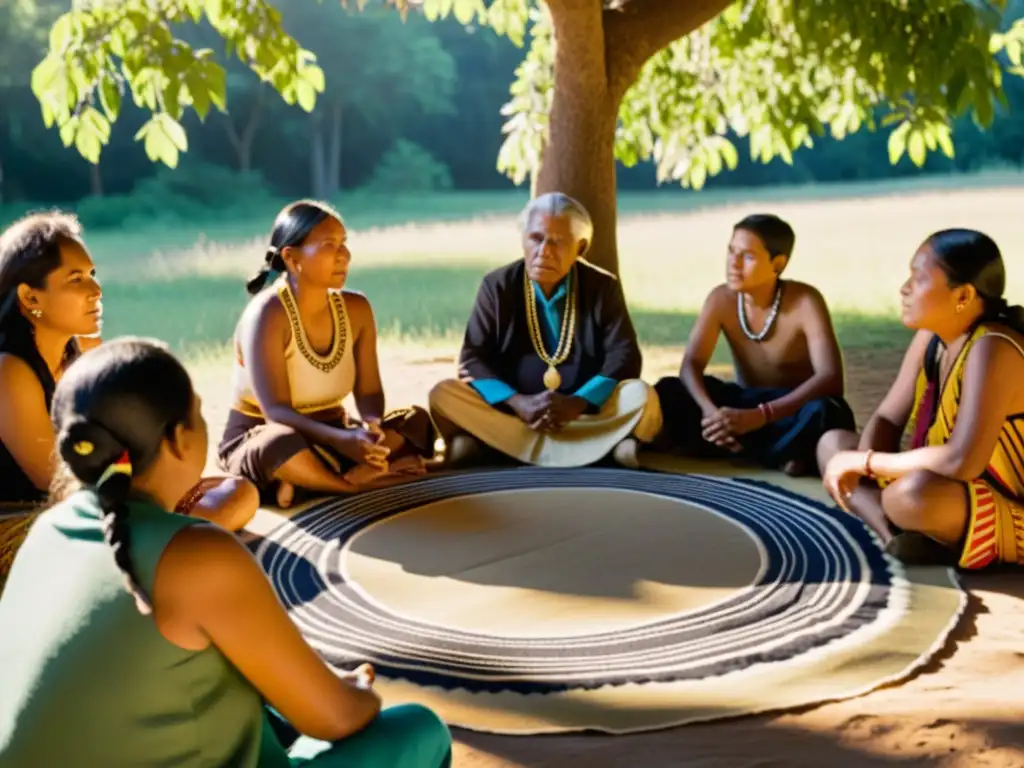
{"x":50,"y":313}
{"x":48,"y":298}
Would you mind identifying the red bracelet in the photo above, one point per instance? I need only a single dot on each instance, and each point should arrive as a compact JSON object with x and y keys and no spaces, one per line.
{"x":766,"y":412}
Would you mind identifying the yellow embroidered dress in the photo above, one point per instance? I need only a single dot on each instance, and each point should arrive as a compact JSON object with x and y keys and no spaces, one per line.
{"x":995,"y":529}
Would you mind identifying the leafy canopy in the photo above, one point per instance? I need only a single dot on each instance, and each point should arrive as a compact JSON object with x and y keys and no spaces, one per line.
{"x":100,"y":49}
{"x":778,"y":72}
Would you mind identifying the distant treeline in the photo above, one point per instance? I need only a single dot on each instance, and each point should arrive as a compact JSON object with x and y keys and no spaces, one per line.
{"x":408,"y":107}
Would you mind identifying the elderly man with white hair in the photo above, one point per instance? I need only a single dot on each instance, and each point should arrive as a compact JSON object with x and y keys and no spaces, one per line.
{"x":549,"y":372}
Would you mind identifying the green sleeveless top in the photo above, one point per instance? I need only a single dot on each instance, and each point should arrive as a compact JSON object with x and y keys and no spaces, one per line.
{"x":85,"y":679}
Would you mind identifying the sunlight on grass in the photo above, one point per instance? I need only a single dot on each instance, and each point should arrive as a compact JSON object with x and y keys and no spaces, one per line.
{"x":422,"y":276}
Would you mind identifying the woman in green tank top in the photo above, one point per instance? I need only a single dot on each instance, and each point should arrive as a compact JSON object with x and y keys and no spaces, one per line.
{"x":133,"y":636}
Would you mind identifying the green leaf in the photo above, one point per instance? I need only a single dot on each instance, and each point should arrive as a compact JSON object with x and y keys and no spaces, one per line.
{"x":943,"y":134}
{"x":93,"y":132}
{"x":305,"y":95}
{"x":61,"y":33}
{"x":95,"y":123}
{"x":68,"y":131}
{"x":217,"y":80}
{"x":110,"y":97}
{"x":173,"y":130}
{"x":214,"y":10}
{"x":313,"y":75}
{"x":698,"y":175}
{"x":50,"y":88}
{"x":466,"y":10}
{"x":898,"y":142}
{"x":729,"y":154}
{"x":195,"y":9}
{"x":199,"y":91}
{"x":160,"y":146}
{"x":916,"y":147}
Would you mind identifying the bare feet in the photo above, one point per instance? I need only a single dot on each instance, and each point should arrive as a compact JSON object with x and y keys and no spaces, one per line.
{"x":409,"y":465}
{"x":912,"y":548}
{"x":462,"y":451}
{"x":626,"y":453}
{"x":363,"y":474}
{"x":285,"y":494}
{"x":795,"y":468}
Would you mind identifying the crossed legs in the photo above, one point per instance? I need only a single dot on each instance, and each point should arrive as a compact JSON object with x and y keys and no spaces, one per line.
{"x":920,"y":501}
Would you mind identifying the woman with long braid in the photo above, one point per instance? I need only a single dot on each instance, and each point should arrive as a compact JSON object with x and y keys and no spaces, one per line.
{"x":134,"y":636}
{"x":301,"y":348}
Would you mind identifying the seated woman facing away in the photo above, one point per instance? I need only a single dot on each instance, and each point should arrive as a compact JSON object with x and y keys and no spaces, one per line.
{"x":959,"y":489}
{"x":134,"y":636}
{"x":789,"y":388}
{"x":550,"y":365}
{"x":50,"y":311}
{"x":301,"y":349}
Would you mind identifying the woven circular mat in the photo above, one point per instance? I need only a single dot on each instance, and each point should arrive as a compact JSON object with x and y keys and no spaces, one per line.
{"x":529,"y":601}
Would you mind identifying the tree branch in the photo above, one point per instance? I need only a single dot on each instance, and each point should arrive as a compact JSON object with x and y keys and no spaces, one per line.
{"x":640,"y":28}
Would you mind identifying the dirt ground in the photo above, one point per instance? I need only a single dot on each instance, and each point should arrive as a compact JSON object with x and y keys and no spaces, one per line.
{"x":965,"y":709}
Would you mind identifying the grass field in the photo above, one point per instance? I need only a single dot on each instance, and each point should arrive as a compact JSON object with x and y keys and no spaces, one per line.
{"x":420,"y":263}
{"x":186,"y":285}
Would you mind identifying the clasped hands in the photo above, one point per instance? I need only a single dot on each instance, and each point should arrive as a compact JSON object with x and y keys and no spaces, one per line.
{"x":722,"y":426}
{"x":548,"y":411}
{"x":367,"y":447}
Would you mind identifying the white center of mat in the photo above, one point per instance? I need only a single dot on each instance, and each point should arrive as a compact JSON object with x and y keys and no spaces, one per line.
{"x":551,"y":562}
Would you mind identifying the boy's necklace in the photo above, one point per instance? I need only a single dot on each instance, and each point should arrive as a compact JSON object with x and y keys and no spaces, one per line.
{"x":741,"y":311}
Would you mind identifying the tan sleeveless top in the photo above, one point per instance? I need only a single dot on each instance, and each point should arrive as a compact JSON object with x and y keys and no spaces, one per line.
{"x":317,"y":382}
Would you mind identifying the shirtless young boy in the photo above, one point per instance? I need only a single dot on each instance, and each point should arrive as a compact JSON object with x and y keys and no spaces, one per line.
{"x":789,"y":371}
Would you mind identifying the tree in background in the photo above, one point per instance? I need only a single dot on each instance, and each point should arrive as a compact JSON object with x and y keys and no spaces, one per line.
{"x":386,"y":70}
{"x":672,"y":81}
{"x":23,"y":28}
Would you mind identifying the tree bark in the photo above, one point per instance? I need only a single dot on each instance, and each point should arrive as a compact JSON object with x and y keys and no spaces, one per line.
{"x":242,"y":142}
{"x":95,"y":180}
{"x":579,"y":158}
{"x":334,"y":154}
{"x":598,"y":55}
{"x":317,"y":157}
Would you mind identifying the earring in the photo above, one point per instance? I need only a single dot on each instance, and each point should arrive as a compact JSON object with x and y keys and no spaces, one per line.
{"x":959,"y":308}
{"x":36,"y":313}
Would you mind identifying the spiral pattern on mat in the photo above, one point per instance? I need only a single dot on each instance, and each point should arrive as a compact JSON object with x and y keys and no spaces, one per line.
{"x":823,"y":578}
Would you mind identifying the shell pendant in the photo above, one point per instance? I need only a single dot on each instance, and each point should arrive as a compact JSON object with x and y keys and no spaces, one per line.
{"x":552,"y":379}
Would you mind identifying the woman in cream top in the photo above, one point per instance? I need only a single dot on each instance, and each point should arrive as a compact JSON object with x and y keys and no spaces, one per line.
{"x":301,"y":349}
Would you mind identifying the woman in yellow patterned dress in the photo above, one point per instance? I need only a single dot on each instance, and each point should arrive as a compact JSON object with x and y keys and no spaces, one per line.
{"x":301,"y":348}
{"x":960,"y":486}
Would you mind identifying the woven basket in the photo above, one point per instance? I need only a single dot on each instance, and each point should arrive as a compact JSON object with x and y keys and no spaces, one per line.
{"x":13,"y":529}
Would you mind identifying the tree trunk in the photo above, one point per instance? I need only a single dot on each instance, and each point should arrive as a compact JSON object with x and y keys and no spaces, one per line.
{"x":317,"y":157}
{"x":579,"y":158}
{"x":95,"y":180}
{"x":334,"y":156}
{"x":242,"y":143}
{"x":598,"y":55}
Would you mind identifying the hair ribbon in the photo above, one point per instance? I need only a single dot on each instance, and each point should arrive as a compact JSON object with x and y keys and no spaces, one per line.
{"x":122,"y":466}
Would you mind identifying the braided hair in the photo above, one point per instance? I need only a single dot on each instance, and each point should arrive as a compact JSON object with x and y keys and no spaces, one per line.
{"x":112,"y":412}
{"x":969,"y":257}
{"x":291,"y":228}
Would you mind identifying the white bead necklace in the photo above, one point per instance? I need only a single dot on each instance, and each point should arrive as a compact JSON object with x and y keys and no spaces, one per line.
{"x":741,"y":311}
